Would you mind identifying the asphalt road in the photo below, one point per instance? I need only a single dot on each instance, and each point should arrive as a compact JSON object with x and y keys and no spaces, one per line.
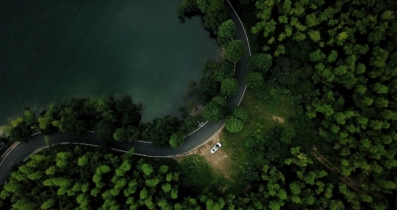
{"x":22,"y":151}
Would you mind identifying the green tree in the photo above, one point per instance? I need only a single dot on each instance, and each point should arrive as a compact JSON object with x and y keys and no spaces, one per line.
{"x":314,"y":35}
{"x":254,"y":80}
{"x":104,"y":129}
{"x":49,"y":122}
{"x":240,"y":113}
{"x":260,"y":62}
{"x":227,"y":29}
{"x":20,"y":132}
{"x":176,"y":139}
{"x":332,"y":56}
{"x":163,"y":169}
{"x":317,"y":56}
{"x":215,"y":109}
{"x":166,"y":187}
{"x":188,"y":6}
{"x":219,"y":100}
{"x":234,"y":124}
{"x":147,"y":169}
{"x":214,"y":13}
{"x":29,"y":117}
{"x":235,"y":51}
{"x":161,"y":130}
{"x":70,"y":122}
{"x":120,"y":134}
{"x":213,"y":112}
{"x":229,"y":87}
{"x":127,"y":113}
{"x":48,"y":204}
{"x":207,"y":6}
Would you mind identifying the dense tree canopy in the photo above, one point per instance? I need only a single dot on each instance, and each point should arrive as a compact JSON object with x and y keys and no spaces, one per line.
{"x":235,"y":51}
{"x":23,"y":127}
{"x":209,"y":85}
{"x":213,"y":12}
{"x":103,"y":115}
{"x":229,"y":87}
{"x":235,"y":121}
{"x":254,"y":79}
{"x":260,"y":62}
{"x":161,"y":129}
{"x":176,"y":139}
{"x":227,"y":29}
{"x":75,"y":178}
{"x":232,"y":124}
{"x":341,"y":56}
{"x":215,"y":110}
{"x":70,"y":177}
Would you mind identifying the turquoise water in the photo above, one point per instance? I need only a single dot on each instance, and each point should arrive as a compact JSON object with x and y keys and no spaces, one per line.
{"x":53,"y":50}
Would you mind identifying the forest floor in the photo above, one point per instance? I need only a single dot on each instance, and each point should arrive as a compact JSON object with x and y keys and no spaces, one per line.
{"x":198,"y":109}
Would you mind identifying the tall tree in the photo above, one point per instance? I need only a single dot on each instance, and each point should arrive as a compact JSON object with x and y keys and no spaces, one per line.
{"x":235,"y":51}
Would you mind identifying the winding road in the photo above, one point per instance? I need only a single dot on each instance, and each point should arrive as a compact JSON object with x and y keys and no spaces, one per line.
{"x":36,"y":143}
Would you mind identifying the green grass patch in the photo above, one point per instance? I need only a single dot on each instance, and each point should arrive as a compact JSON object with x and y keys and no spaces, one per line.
{"x":199,"y":177}
{"x":282,"y":103}
{"x":271,"y":107}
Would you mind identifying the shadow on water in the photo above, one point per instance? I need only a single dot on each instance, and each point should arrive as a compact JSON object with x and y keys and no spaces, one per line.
{"x":51,"y":51}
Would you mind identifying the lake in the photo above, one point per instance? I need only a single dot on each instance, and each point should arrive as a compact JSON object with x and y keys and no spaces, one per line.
{"x":52,"y":50}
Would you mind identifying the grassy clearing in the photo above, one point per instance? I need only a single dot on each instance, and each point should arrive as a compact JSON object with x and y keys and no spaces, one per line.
{"x":271,"y":108}
{"x":275,"y":113}
{"x":200,"y":176}
{"x":307,"y":136}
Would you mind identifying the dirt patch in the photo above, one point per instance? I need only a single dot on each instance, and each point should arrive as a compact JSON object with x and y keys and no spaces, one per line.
{"x":219,"y":160}
{"x":223,"y":50}
{"x":198,"y":109}
{"x":275,"y":117}
{"x":278,"y":119}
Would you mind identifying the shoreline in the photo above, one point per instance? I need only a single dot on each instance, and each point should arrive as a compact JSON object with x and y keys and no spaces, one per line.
{"x":2,"y":127}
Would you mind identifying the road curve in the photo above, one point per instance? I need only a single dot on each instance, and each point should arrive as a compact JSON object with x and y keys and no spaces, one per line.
{"x":23,"y":151}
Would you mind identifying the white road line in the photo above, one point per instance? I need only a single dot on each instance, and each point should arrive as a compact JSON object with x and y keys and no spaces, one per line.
{"x":245,"y":88}
{"x":12,"y":147}
{"x":144,"y":142}
{"x":248,"y":42}
{"x":65,"y":143}
{"x":242,"y":25}
{"x":36,"y":134}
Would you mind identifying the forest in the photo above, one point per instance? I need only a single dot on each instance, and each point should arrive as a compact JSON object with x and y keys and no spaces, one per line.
{"x":73,"y":177}
{"x":112,"y":119}
{"x":335,"y":62}
{"x":339,"y":60}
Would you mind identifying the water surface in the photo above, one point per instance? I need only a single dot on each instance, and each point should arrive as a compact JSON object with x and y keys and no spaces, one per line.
{"x":52,"y":50}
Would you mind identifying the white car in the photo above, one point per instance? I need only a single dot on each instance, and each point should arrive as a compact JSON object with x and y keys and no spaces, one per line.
{"x":216,"y":147}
